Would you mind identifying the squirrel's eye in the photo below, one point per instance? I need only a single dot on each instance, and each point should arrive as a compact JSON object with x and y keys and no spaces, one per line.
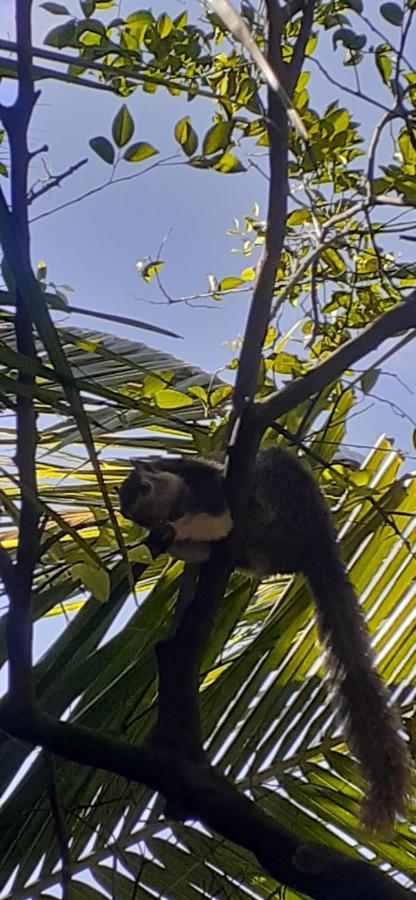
{"x":145,"y":487}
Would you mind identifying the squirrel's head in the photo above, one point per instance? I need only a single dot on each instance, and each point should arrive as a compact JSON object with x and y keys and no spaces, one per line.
{"x":148,"y":494}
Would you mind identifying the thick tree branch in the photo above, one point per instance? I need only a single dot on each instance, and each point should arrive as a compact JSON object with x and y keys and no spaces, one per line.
{"x":298,"y":57}
{"x":213,"y":800}
{"x":181,"y":656}
{"x":259,"y":314}
{"x":396,"y":320}
{"x":16,"y":120}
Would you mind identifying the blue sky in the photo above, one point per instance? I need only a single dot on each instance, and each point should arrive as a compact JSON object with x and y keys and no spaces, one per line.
{"x":94,"y":245}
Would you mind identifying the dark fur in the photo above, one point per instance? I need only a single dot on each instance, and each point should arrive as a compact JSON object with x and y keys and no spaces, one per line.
{"x":289,"y":529}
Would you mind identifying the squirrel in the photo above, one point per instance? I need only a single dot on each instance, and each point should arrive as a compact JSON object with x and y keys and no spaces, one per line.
{"x":288,"y":529}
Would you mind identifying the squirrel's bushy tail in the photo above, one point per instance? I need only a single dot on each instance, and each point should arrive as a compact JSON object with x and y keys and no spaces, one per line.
{"x":372,"y":725}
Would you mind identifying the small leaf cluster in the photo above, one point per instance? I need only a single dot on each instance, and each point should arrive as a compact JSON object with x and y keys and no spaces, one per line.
{"x":122,"y":131}
{"x":216,"y":153}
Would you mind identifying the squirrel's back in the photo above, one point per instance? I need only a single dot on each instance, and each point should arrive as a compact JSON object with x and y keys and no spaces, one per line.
{"x":289,"y":529}
{"x":288,"y":522}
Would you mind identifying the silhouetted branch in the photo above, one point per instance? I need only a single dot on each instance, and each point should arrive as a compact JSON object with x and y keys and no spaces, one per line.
{"x":394,"y":321}
{"x":210,"y":798}
{"x":54,"y":181}
{"x":16,"y":121}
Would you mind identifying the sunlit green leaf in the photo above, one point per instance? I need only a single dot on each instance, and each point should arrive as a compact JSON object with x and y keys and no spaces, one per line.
{"x":122,"y":128}
{"x":228,"y":164}
{"x":170,"y":399}
{"x":139,"y":152}
{"x":217,"y":138}
{"x":164,"y":25}
{"x":95,"y":579}
{"x":186,"y":136}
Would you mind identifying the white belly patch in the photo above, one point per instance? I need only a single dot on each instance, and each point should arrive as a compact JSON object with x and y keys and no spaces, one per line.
{"x":203,"y":527}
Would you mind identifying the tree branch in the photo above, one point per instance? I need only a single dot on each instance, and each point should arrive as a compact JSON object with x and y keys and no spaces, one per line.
{"x":180,"y":657}
{"x":398,"y":319}
{"x":16,"y":120}
{"x":259,"y":314}
{"x":210,"y":798}
{"x":95,"y":66}
{"x":54,"y":181}
{"x":308,"y":8}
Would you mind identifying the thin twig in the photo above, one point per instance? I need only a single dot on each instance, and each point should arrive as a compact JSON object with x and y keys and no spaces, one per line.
{"x":385,"y":119}
{"x":343,"y":87}
{"x":101,"y":187}
{"x":54,"y":181}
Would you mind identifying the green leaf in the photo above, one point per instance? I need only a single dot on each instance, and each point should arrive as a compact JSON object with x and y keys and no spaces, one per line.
{"x":383,"y":62}
{"x":103,"y":148}
{"x":170,"y":399}
{"x":228,"y":164}
{"x":41,"y":270}
{"x":407,"y":149}
{"x":248,"y":274}
{"x":220,"y":394}
{"x":186,"y":135}
{"x":139,"y":152}
{"x":349,"y":39}
{"x":149,"y":270}
{"x":88,"y":7}
{"x":356,"y":5}
{"x":333,"y":260}
{"x":392,"y":13}
{"x":140,"y":17}
{"x":181,"y":21}
{"x":90,"y":33}
{"x":61,"y":36}
{"x":122,"y":128}
{"x":141,"y":554}
{"x":199,"y":392}
{"x":153,"y":385}
{"x":95,"y":579}
{"x":57,"y":9}
{"x":217,"y":138}
{"x":369,"y":379}
{"x":227,"y":284}
{"x":164,"y":25}
{"x":299,"y":217}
